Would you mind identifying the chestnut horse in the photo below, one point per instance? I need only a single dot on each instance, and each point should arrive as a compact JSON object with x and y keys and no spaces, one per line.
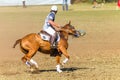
{"x":32,"y":43}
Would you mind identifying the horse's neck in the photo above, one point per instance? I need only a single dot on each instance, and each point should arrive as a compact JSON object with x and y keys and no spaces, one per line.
{"x":64,"y":35}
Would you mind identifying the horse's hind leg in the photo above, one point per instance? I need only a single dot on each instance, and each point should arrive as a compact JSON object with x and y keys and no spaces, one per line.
{"x":27,"y":59}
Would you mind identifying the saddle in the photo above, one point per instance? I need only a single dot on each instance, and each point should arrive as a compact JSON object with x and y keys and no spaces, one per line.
{"x":46,"y":36}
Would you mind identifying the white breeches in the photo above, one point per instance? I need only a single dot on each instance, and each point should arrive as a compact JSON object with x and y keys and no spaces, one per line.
{"x":50,"y":30}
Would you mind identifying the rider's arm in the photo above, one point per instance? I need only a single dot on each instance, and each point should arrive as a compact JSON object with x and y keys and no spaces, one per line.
{"x":54,"y":25}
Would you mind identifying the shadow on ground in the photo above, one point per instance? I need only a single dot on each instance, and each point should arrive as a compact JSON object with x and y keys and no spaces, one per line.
{"x":72,"y":69}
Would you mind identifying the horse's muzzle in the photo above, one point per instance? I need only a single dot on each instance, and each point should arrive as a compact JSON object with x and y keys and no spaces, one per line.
{"x":77,"y":34}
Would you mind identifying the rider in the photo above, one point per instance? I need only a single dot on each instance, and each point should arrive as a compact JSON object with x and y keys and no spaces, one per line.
{"x":50,"y":26}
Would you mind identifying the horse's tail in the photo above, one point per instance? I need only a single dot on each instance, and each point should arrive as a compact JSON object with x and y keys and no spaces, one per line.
{"x":17,"y":41}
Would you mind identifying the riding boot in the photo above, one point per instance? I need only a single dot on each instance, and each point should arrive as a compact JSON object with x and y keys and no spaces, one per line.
{"x":53,"y":45}
{"x":52,"y":42}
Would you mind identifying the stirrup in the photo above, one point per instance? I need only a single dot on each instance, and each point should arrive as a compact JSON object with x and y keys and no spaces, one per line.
{"x":53,"y":46}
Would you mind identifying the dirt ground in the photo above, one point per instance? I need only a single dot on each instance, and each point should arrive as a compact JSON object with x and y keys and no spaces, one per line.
{"x":95,"y":56}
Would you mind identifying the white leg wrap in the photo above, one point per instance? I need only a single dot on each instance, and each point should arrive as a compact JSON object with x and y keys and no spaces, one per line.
{"x":58,"y":69}
{"x":28,"y":63}
{"x":65,"y":61}
{"x":34,"y":62}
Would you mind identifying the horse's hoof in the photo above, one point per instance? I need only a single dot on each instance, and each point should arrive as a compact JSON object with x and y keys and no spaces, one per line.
{"x":34,"y":70}
{"x":62,"y":65}
{"x":31,"y":69}
{"x":60,"y":71}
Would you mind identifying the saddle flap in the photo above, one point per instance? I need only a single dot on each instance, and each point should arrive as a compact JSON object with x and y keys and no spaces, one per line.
{"x":45,"y":36}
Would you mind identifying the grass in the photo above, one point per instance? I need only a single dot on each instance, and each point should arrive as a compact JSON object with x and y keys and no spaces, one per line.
{"x":93,"y":57}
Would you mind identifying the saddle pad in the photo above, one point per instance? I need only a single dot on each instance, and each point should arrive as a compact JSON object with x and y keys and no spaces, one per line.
{"x":47,"y":37}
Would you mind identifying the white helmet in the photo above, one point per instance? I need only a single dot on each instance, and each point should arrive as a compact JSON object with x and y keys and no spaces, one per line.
{"x":54,"y":8}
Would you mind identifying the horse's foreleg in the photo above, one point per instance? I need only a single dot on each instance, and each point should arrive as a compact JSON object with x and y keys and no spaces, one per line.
{"x":65,"y":61}
{"x":65,"y":53}
{"x":58,"y":64}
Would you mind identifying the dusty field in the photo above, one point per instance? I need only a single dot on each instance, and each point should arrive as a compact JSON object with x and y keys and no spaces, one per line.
{"x":96,"y":56}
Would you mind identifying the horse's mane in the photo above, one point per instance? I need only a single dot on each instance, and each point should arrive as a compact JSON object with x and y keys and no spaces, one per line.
{"x":62,"y":33}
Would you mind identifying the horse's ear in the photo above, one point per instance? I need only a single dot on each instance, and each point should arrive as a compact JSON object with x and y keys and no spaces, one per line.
{"x":70,"y":22}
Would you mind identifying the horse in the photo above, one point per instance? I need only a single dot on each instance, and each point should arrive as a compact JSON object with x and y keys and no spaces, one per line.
{"x":33,"y":42}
